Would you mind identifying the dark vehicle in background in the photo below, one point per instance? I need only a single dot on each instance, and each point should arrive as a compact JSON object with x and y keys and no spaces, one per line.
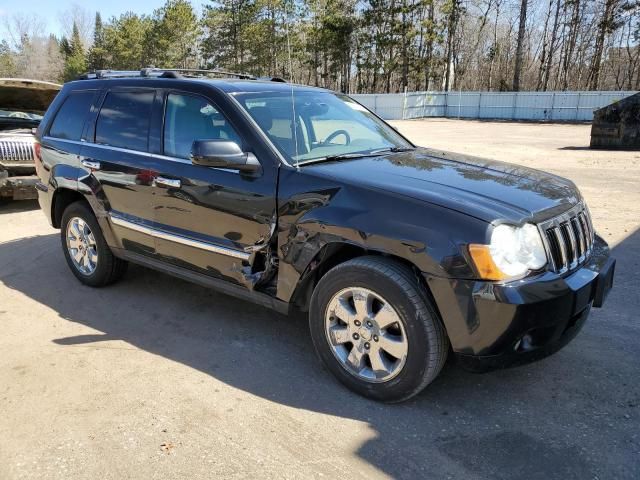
{"x":300,"y":198}
{"x":22,"y":104}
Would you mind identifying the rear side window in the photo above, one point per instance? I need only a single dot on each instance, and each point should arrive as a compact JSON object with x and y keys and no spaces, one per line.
{"x":124,"y":120}
{"x":70,"y":118}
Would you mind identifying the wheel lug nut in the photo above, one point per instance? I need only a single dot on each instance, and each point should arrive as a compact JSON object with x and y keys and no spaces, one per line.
{"x":366,"y":345}
{"x":375,"y":338}
{"x":356,"y":336}
{"x":369,"y":324}
{"x":357,"y":323}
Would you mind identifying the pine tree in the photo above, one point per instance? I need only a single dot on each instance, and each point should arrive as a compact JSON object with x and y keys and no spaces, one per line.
{"x":97,"y":56}
{"x":75,"y":62}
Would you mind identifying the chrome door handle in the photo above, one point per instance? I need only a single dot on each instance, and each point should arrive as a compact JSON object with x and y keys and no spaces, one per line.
{"x":168,"y":182}
{"x":91,"y":165}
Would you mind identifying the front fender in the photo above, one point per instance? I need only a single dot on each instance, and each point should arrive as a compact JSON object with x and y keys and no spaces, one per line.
{"x":314,"y":212}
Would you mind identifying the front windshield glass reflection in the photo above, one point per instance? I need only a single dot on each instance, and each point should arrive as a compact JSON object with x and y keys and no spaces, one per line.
{"x":325,"y":125}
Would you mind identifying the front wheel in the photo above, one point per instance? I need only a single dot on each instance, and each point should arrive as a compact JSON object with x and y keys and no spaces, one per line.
{"x":375,"y":328}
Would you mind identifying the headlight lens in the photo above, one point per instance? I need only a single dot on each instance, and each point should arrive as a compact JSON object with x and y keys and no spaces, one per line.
{"x":512,"y":252}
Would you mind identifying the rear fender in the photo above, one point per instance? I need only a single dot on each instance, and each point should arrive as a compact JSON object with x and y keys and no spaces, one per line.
{"x":69,"y":178}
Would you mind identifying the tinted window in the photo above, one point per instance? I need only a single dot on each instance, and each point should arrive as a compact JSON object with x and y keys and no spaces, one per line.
{"x":124,"y":120}
{"x":190,"y":118}
{"x":70,"y":118}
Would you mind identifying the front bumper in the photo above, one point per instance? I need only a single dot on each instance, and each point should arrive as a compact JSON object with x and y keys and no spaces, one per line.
{"x":496,"y":326}
{"x":18,"y":187}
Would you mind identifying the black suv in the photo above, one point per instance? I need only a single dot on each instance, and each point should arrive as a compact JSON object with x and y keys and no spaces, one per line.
{"x":298,"y":197}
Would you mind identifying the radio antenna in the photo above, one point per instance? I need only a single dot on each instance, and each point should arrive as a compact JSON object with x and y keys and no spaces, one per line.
{"x":293,"y":102}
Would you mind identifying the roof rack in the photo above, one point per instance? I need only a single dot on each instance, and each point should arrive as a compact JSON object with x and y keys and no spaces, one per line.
{"x":164,"y":73}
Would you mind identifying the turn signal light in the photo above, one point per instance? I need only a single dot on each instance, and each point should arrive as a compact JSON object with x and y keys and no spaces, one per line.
{"x":486,"y":267}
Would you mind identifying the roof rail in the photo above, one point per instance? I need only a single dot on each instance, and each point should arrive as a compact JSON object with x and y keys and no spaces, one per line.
{"x":163,"y":73}
{"x":272,"y":79}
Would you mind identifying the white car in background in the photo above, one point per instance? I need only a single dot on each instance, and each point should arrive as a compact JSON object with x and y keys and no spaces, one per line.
{"x":22,"y":103}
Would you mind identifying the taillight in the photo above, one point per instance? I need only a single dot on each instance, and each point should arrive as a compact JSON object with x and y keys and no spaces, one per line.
{"x":36,"y":151}
{"x":37,"y":158}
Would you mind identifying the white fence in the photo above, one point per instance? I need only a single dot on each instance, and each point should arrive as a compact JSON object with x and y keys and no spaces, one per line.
{"x":549,"y":106}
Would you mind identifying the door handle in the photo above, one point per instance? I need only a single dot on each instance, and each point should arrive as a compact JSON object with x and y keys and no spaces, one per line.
{"x":91,"y":165}
{"x":167,"y":182}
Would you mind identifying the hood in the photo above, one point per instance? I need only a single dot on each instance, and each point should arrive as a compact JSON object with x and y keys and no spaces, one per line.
{"x":486,"y":189}
{"x":22,"y":95}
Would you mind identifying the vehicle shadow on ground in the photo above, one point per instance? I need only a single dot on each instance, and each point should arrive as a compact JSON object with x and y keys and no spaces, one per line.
{"x":18,"y":206}
{"x":536,"y":421}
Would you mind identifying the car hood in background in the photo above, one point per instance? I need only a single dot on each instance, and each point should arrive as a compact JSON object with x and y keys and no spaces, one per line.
{"x":486,"y":189}
{"x":23,"y":95}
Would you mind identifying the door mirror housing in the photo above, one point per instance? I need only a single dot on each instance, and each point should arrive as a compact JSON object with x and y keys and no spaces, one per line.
{"x":223,"y":154}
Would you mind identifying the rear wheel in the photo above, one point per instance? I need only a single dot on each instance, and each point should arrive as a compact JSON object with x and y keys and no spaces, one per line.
{"x":374,"y":327}
{"x":85,"y":249}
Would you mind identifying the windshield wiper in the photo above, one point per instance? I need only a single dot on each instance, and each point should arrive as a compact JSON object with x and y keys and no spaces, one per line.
{"x":349,"y":156}
{"x":338,"y":157}
{"x":393,"y":150}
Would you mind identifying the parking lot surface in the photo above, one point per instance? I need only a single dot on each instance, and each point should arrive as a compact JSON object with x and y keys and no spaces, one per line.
{"x":157,"y":378}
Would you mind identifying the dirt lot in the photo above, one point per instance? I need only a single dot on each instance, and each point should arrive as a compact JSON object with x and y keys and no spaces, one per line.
{"x":158,"y":378}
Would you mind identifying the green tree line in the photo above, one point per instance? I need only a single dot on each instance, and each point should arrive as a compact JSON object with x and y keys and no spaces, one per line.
{"x":366,"y":45}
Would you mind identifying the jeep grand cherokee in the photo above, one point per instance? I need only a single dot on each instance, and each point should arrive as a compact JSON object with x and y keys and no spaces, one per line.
{"x":298,"y":197}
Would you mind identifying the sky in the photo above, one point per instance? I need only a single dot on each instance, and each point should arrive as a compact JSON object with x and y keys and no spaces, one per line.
{"x":50,"y":10}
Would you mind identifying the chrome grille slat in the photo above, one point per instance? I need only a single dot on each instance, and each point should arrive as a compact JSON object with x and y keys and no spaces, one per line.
{"x":563,"y":249}
{"x":573,"y":244}
{"x":580,"y":236}
{"x":587,"y":230}
{"x":568,"y":238}
{"x":16,"y":151}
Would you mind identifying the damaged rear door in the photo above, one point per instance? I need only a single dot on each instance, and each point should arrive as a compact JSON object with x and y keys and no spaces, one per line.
{"x":211,"y":220}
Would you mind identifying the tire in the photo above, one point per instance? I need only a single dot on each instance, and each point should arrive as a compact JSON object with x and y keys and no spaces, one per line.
{"x":382,"y":287}
{"x":107,"y":268}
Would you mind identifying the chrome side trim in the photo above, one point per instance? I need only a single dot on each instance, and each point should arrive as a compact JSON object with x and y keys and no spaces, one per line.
{"x":120,"y":149}
{"x":156,"y":233}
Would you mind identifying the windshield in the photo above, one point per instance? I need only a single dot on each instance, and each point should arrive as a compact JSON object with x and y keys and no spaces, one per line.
{"x":23,"y":115}
{"x":326,"y":125}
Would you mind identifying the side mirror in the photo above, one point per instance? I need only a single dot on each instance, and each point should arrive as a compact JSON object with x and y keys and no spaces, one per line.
{"x":223,"y":154}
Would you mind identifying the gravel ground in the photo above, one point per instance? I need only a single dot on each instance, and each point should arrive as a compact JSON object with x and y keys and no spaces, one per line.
{"x":158,"y":378}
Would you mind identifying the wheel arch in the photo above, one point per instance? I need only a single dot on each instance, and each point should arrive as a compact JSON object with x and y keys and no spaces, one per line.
{"x":335,"y":253}
{"x":62,"y":198}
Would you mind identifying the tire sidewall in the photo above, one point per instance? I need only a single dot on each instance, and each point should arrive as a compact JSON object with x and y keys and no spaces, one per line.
{"x":419,"y":341}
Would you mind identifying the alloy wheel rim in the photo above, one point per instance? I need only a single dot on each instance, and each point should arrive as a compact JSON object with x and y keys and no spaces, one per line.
{"x":82,"y":247}
{"x":366,"y":335}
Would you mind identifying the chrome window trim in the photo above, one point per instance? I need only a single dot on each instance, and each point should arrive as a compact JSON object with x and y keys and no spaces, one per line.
{"x":155,"y":156}
{"x":157,"y":233}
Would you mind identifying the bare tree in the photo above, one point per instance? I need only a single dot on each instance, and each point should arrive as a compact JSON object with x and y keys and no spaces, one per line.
{"x":520,"y":47}
{"x":83,"y":18}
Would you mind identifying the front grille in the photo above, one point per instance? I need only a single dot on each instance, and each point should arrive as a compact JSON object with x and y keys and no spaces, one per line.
{"x":568,"y":238}
{"x":16,"y":151}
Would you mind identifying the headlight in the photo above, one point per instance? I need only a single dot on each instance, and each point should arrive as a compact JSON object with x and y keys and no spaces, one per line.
{"x":513,"y":252}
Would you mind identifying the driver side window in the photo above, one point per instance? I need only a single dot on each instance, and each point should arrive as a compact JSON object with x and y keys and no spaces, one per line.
{"x":189,"y":118}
